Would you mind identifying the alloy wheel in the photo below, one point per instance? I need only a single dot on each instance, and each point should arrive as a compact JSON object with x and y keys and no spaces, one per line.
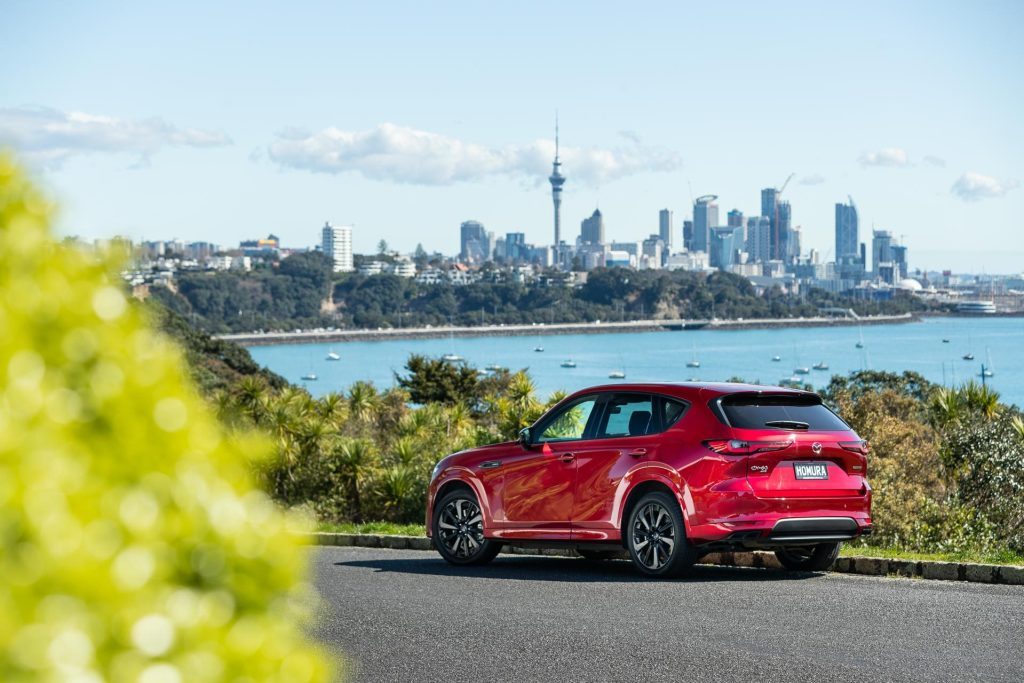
{"x":654,"y":536}
{"x":461,"y":528}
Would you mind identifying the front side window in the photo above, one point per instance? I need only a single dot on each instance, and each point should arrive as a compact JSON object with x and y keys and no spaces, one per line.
{"x":570,"y":423}
{"x":628,"y":415}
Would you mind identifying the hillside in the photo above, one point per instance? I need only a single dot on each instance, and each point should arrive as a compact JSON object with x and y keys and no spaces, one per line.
{"x":215,"y":364}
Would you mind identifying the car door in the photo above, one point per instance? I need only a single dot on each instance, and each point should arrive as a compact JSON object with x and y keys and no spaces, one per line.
{"x":625,"y":434}
{"x":539,"y":481}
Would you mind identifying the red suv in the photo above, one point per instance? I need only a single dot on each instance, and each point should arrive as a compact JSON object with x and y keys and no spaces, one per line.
{"x":670,"y":471}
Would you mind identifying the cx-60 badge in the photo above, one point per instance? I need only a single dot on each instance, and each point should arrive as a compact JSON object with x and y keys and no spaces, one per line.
{"x":816,"y":447}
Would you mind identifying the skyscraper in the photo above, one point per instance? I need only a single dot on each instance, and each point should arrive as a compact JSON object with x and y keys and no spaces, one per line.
{"x":726,"y":245}
{"x":779,"y":215}
{"x":881,"y":252}
{"x":665,"y":227}
{"x":785,"y":228}
{"x":592,"y":229}
{"x":688,"y":235}
{"x":557,"y":180}
{"x":705,"y":217}
{"x":847,"y":233}
{"x":337,"y":244}
{"x":759,"y":233}
{"x":474,"y":242}
{"x":734,"y":219}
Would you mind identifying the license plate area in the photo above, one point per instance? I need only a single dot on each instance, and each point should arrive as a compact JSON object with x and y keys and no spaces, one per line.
{"x":810,"y":470}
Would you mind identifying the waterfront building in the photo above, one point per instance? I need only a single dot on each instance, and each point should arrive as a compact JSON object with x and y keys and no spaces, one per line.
{"x":592,"y":229}
{"x":705,"y":216}
{"x":336,"y":243}
{"x":665,"y":227}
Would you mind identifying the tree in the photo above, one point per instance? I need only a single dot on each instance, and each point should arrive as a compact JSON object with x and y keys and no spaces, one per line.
{"x":382,"y":247}
{"x":438,"y":381}
{"x":134,"y":544}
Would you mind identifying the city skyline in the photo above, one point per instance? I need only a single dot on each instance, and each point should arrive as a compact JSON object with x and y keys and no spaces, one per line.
{"x":404,"y":136}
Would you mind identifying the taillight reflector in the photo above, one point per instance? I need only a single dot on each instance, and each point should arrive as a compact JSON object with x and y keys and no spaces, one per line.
{"x":739,"y":447}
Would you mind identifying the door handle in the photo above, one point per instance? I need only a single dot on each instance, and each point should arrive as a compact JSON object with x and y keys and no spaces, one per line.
{"x":490,"y":464}
{"x":566,"y":457}
{"x":638,"y":452}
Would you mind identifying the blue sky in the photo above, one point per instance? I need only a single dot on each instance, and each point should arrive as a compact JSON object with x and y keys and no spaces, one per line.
{"x":229,"y":122}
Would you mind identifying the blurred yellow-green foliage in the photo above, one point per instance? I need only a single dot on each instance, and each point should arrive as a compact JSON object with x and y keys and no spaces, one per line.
{"x":133,"y":544}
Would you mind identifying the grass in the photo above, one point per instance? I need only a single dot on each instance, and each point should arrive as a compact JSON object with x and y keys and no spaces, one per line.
{"x":993,"y":557}
{"x":384,"y":528}
{"x":996,"y":557}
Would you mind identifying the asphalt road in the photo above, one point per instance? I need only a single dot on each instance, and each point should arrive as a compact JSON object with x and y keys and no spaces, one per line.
{"x":409,"y":616}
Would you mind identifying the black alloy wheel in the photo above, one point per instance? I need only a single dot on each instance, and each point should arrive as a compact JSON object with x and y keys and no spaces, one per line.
{"x":656,"y":537}
{"x":459,"y":530}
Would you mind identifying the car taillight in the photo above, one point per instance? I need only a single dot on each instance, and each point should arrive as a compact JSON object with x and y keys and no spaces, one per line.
{"x":739,"y":447}
{"x":855,"y":446}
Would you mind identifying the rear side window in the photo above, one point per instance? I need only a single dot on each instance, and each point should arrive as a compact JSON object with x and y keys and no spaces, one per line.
{"x":671,"y":411}
{"x":628,"y":415}
{"x":780,"y":412}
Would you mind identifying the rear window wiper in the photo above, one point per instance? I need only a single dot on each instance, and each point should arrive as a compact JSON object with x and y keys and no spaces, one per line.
{"x":787,"y":424}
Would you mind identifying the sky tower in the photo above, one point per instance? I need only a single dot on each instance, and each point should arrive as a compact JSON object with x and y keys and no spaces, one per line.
{"x":557,"y":180}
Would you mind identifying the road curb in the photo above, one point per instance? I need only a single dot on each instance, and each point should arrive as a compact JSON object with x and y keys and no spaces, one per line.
{"x":867,"y":566}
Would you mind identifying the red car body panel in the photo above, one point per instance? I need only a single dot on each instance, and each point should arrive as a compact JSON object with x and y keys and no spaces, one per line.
{"x":577,"y":491}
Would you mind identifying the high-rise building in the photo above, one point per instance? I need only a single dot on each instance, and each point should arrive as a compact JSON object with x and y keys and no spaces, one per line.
{"x":734,"y":219}
{"x":515,"y":246}
{"x":779,"y":216}
{"x":899,"y":259}
{"x":476,"y":244}
{"x":882,"y":255}
{"x":337,"y":244}
{"x":847,"y":232}
{"x":557,"y":180}
{"x":759,"y":235}
{"x":687,"y":235}
{"x":665,"y":227}
{"x":592,"y":229}
{"x":726,"y":245}
{"x":705,"y":216}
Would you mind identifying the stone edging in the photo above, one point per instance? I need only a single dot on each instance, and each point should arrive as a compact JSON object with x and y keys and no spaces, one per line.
{"x":869,"y":566}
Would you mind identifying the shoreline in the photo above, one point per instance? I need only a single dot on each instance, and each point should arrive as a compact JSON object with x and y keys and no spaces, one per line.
{"x":341,"y":336}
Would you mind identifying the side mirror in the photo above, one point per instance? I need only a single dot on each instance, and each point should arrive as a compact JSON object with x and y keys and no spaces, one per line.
{"x":525,"y":438}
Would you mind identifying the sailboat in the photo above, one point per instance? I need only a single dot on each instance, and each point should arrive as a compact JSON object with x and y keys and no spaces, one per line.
{"x":968,"y":355}
{"x":822,"y":365}
{"x":986,"y":369}
{"x":776,"y":359}
{"x":617,"y":374}
{"x":538,"y":349}
{"x":860,"y":342}
{"x":309,"y":377}
{"x":694,"y":363}
{"x":568,"y":363}
{"x":451,"y":356}
{"x":331,"y":355}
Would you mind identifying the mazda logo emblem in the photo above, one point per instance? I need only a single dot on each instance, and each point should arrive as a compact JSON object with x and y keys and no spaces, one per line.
{"x":816,"y":447}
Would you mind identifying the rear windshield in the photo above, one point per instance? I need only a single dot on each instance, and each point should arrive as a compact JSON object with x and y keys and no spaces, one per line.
{"x":780,"y":412}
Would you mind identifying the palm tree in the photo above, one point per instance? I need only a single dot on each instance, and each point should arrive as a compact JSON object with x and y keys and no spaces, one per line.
{"x":354,"y":458}
{"x":363,"y":400}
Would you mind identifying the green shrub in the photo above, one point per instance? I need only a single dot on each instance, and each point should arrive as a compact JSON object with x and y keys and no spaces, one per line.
{"x":133,"y":545}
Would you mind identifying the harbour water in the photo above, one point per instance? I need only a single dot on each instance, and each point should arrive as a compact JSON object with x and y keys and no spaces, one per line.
{"x":663,"y":356}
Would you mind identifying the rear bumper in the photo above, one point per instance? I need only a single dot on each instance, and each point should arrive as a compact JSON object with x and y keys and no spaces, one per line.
{"x":783,"y":529}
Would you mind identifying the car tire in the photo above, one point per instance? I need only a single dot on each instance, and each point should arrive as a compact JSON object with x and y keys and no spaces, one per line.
{"x":656,"y":537}
{"x":815,"y":558}
{"x":458,"y":530}
{"x":598,"y":555}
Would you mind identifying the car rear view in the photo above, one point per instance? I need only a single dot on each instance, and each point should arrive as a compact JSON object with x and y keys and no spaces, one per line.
{"x":806,"y":469}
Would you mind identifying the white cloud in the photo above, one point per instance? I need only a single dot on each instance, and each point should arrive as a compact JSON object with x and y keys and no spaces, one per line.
{"x":934,"y":161}
{"x":813,"y":179}
{"x":405,"y":155}
{"x":889,"y":156}
{"x":972,"y":186}
{"x":50,"y":137}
